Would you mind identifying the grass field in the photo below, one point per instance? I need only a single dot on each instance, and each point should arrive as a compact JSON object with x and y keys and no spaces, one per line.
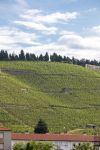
{"x":66,"y":96}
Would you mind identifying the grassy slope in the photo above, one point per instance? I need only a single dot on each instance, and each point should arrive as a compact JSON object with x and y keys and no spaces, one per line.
{"x":66,"y":96}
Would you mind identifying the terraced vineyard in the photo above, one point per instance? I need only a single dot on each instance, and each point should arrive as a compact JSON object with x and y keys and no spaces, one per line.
{"x":65,"y":96}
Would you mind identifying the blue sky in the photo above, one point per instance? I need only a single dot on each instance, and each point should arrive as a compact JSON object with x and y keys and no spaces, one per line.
{"x":67,"y":27}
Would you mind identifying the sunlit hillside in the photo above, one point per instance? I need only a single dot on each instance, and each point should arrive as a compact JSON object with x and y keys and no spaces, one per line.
{"x":66,"y":96}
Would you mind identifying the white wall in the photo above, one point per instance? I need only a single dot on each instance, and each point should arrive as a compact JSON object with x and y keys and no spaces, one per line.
{"x":7,"y":140}
{"x":93,"y":67}
{"x":65,"y":145}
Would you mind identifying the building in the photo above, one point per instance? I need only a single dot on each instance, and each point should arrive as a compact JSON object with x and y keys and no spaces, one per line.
{"x":92,"y":67}
{"x":93,"y":126}
{"x":62,"y":141}
{"x":5,"y":139}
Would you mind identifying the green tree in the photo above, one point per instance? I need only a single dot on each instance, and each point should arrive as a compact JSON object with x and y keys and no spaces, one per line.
{"x":21,"y":55}
{"x":19,"y":146}
{"x":84,"y":146}
{"x":41,"y":127}
{"x":30,"y":146}
{"x":39,"y":146}
{"x":46,"y":57}
{"x":28,"y":56}
{"x":34,"y":146}
{"x":33,"y":57}
{"x":41,"y":58}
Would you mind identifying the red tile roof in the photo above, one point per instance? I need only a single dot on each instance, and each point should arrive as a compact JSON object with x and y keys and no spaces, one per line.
{"x":4,"y":129}
{"x":55,"y":137}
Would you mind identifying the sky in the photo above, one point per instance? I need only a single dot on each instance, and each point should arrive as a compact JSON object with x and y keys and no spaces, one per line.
{"x":67,"y":27}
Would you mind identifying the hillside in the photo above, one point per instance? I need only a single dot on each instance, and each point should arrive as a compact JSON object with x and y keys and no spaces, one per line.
{"x":66,"y":96}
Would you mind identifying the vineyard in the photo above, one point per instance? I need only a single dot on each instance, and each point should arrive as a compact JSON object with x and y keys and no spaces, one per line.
{"x":66,"y":96}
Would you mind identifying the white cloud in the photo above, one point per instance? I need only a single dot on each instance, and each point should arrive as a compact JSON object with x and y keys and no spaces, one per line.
{"x":39,"y":16}
{"x":12,"y":37}
{"x":96,"y":29}
{"x":56,"y":17}
{"x":38,"y":26}
{"x":69,"y":43}
{"x":72,"y":44}
{"x":29,"y":13}
{"x":38,"y":20}
{"x":65,"y":32}
{"x":71,"y":40}
{"x":76,"y":41}
{"x":80,"y":46}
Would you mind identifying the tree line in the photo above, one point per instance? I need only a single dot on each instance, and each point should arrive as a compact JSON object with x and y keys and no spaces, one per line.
{"x":4,"y":56}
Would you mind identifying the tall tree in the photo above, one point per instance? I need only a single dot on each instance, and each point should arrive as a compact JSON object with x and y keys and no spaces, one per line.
{"x":28,"y":56}
{"x":3,"y":55}
{"x":33,"y":57}
{"x":41,"y":127}
{"x":21,"y":55}
{"x":41,"y":58}
{"x":53,"y":57}
{"x":46,"y":57}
